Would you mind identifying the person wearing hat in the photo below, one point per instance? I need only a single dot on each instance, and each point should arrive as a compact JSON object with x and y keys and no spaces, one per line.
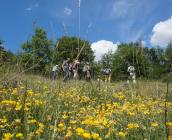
{"x":54,"y":72}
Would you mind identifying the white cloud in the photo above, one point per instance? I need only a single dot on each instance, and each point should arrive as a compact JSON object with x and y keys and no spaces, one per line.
{"x":121,"y":8}
{"x":36,"y":5}
{"x":103,"y":46}
{"x":162,"y":33}
{"x":30,"y":8}
{"x":67,"y":11}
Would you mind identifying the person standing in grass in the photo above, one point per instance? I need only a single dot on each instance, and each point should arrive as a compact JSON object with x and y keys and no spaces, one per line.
{"x":54,"y":72}
{"x":75,"y":69}
{"x":70,"y":70}
{"x":132,"y":74}
{"x":87,"y":71}
{"x":107,"y":74}
{"x":65,"y":68}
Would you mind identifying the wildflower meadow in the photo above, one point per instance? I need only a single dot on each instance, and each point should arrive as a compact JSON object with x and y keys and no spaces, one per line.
{"x":39,"y":109}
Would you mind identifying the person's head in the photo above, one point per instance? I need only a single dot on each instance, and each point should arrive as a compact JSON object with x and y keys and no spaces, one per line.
{"x":106,"y":66}
{"x":76,"y":61}
{"x":129,"y":64}
{"x":68,"y":60}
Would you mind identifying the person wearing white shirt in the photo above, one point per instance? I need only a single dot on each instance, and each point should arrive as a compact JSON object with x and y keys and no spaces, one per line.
{"x":132,"y":74}
{"x":54,"y":72}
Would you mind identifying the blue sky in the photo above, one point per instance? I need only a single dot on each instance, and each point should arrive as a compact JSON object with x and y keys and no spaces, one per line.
{"x":111,"y":20}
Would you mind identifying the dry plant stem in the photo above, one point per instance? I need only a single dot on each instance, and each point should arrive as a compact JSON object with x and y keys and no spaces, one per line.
{"x":55,"y":124}
{"x":166,"y":98}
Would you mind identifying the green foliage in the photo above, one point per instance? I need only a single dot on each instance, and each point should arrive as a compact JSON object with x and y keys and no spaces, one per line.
{"x":150,"y":63}
{"x":39,"y":54}
{"x":168,"y":54}
{"x":36,"y":52}
{"x":67,"y":47}
{"x":132,"y":53}
{"x":5,"y":56}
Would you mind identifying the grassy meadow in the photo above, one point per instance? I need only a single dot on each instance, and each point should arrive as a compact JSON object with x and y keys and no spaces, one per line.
{"x":42,"y":109}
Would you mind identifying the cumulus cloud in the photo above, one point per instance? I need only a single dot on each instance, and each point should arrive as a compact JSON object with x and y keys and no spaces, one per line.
{"x":67,"y":11}
{"x":162,"y":33}
{"x":103,"y":46}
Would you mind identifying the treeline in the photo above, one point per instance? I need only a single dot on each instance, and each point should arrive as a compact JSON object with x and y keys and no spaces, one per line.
{"x":39,"y":54}
{"x":150,"y":63}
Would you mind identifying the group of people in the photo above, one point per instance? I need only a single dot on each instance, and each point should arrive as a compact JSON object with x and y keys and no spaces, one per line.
{"x":106,"y":72}
{"x":70,"y":70}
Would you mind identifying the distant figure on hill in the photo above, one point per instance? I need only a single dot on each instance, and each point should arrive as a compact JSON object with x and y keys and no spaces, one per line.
{"x":87,"y":71}
{"x":132,"y":75}
{"x":55,"y":72}
{"x":65,"y":68}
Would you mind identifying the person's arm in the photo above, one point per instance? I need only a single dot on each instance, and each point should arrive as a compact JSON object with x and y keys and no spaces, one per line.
{"x":63,"y":65}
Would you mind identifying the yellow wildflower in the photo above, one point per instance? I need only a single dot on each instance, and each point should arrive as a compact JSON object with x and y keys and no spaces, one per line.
{"x":7,"y":136}
{"x":8,"y":102}
{"x":69,"y":133}
{"x":95,"y":136}
{"x":41,"y":126}
{"x":32,"y":121}
{"x":51,"y":127}
{"x":18,"y":106}
{"x":73,"y":122}
{"x":132,"y":126}
{"x":121,"y":134}
{"x":131,"y":113}
{"x":64,"y":116}
{"x":86,"y":135}
{"x":4,"y":120}
{"x":154,"y":124}
{"x":17,"y":121}
{"x":79,"y":131}
{"x":14,"y":91}
{"x":19,"y":135}
{"x":60,"y":125}
{"x":169,"y":124}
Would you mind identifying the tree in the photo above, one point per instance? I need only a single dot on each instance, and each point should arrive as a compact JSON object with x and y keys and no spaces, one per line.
{"x":36,"y":53}
{"x":168,"y":55}
{"x":5,"y":56}
{"x":67,"y":47}
{"x":106,"y":60}
{"x":2,"y":51}
{"x":132,"y":53}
